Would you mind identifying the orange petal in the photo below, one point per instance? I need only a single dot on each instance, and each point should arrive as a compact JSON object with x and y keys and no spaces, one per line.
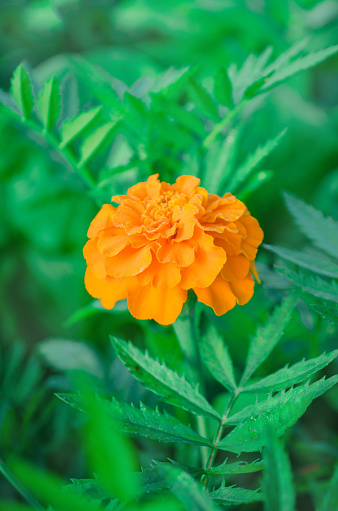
{"x":166,"y":274}
{"x":236,"y":268}
{"x":186,"y":184}
{"x":159,"y":303}
{"x":153,"y":186}
{"x":129,"y":262}
{"x":108,"y":290}
{"x":99,"y":221}
{"x":254,"y":271}
{"x":95,"y":260}
{"x":254,"y":232}
{"x":219,"y":296}
{"x":181,"y":254}
{"x":209,"y":260}
{"x":112,"y":241}
{"x":243,"y":289}
{"x":186,"y":223}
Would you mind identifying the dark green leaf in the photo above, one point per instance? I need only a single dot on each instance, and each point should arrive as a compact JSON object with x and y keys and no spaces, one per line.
{"x":330,"y":500}
{"x":223,"y":88}
{"x":327,"y":312}
{"x":240,"y":467}
{"x":49,"y":103}
{"x":203,"y":100}
{"x":328,"y":290}
{"x":229,"y":495}
{"x":21,"y":91}
{"x":93,"y":143}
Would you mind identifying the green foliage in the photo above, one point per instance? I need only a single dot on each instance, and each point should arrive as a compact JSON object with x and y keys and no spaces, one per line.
{"x":227,"y":495}
{"x":21,"y":90}
{"x":223,"y":88}
{"x":329,"y":313}
{"x":277,"y":481}
{"x":328,"y":290}
{"x":330,"y":498}
{"x":49,"y":103}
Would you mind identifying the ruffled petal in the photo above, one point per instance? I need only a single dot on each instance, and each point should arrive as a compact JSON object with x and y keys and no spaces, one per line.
{"x":243,"y":289}
{"x":129,"y":262}
{"x":166,"y":274}
{"x":218,"y":295}
{"x":182,"y":254}
{"x":108,"y":290}
{"x":99,"y":221}
{"x":159,"y":303}
{"x":186,"y":184}
{"x":236,"y":268}
{"x":95,"y":260}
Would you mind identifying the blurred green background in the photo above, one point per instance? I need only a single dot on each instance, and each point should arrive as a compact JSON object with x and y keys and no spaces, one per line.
{"x":45,"y":209}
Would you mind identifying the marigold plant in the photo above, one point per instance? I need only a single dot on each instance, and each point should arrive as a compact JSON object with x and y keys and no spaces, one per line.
{"x":163,"y":240}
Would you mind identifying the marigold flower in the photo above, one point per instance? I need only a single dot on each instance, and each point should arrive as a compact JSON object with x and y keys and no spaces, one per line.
{"x":163,"y":240}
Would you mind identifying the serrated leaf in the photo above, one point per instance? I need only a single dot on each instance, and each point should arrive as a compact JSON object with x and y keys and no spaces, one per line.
{"x":21,"y":90}
{"x":163,"y":381}
{"x":328,"y":290}
{"x":268,"y":335}
{"x":251,"y":163}
{"x":72,"y":129}
{"x":223,"y":88}
{"x":327,"y":312}
{"x":171,"y":81}
{"x":142,"y":421}
{"x":186,"y":489}
{"x":229,"y":495}
{"x":323,"y":231}
{"x":289,"y":376}
{"x":188,"y":120}
{"x":330,"y":500}
{"x":49,"y":103}
{"x":95,"y":141}
{"x":279,"y":412}
{"x":295,"y":67}
{"x":279,"y":494}
{"x":220,"y":160}
{"x":216,"y":357}
{"x":203,"y":100}
{"x":305,"y":260}
{"x":241,"y":467}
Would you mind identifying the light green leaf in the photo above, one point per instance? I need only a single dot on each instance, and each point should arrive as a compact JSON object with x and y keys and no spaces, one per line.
{"x":280,"y":412}
{"x":323,"y":231}
{"x":287,"y":56}
{"x":95,"y":141}
{"x":49,"y":103}
{"x":163,"y":381}
{"x":241,"y":467}
{"x":330,"y":500}
{"x":305,"y":260}
{"x":216,"y":357}
{"x":72,"y":129}
{"x":327,"y":312}
{"x":301,"y":64}
{"x":142,"y":421}
{"x":220,"y":160}
{"x":289,"y":376}
{"x":279,"y":494}
{"x":65,"y":355}
{"x":328,"y":290}
{"x":186,"y":489}
{"x":21,"y":91}
{"x":268,"y":335}
{"x":203,"y":100}
{"x":223,"y":88}
{"x":254,"y":182}
{"x":229,"y":495}
{"x":252,"y":162}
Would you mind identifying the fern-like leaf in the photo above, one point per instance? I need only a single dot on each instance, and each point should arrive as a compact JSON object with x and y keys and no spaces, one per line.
{"x":233,"y":495}
{"x":327,"y":312}
{"x":21,"y":91}
{"x":203,"y":100}
{"x":223,"y":88}
{"x":328,"y":290}
{"x":49,"y":103}
{"x":74,"y":128}
{"x":163,"y":381}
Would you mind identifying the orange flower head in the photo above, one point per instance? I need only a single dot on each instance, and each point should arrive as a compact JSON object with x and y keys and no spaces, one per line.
{"x":163,"y":240}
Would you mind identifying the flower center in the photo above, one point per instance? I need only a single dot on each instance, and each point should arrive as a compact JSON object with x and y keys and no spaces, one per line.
{"x":162,"y":207}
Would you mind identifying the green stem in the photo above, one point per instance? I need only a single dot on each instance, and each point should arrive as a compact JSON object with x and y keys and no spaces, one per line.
{"x":19,"y":487}
{"x":223,"y":123}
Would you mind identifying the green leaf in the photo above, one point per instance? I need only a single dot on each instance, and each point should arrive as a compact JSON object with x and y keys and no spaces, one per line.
{"x":142,"y":421}
{"x":229,"y":495}
{"x":216,"y":357}
{"x":72,"y":129}
{"x":330,"y":500}
{"x":269,"y":335}
{"x":328,"y":290}
{"x":254,"y":182}
{"x":95,"y":141}
{"x":241,"y":467}
{"x":323,"y":231}
{"x":203,"y":100}
{"x":327,"y":312}
{"x":289,"y":376}
{"x":305,"y":260}
{"x":186,"y":489}
{"x":163,"y":381}
{"x":220,"y":160}
{"x":280,"y":412}
{"x":223,"y":88}
{"x":21,"y":91}
{"x":253,"y":160}
{"x":49,"y":103}
{"x":278,"y":489}
{"x":301,"y":64}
